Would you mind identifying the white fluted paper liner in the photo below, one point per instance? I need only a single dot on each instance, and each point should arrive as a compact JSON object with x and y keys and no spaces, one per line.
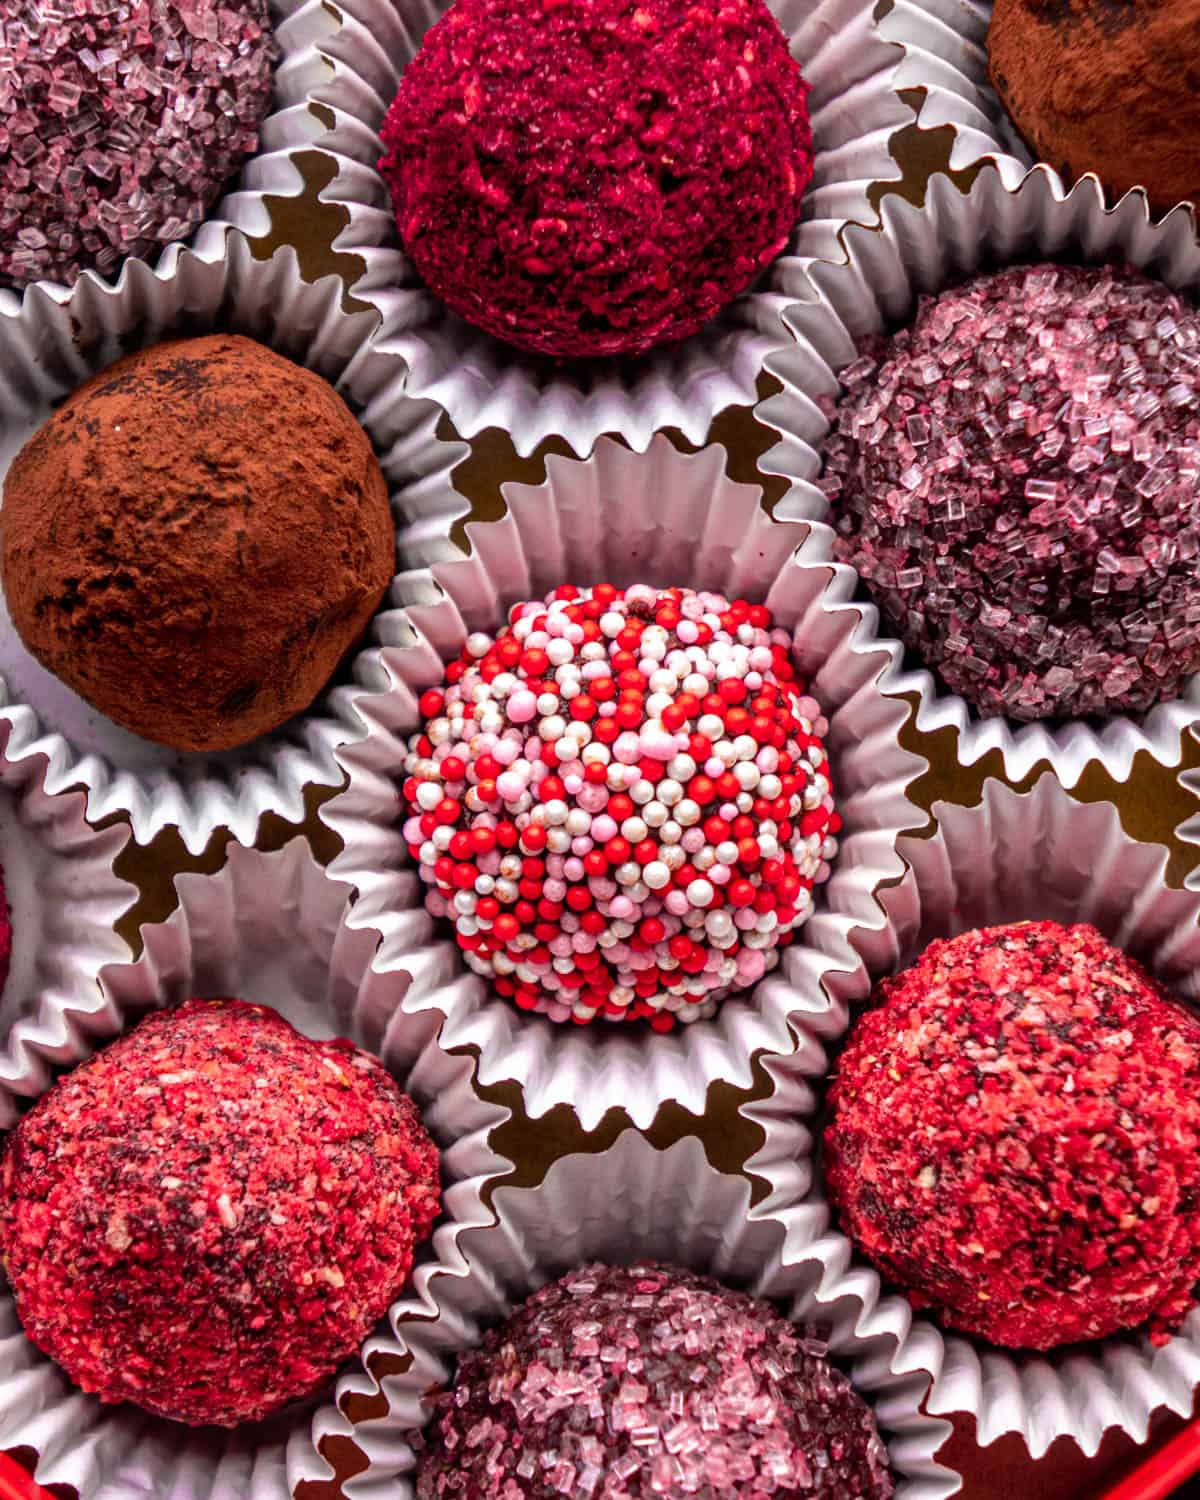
{"x":924,"y":250}
{"x":660,"y":517}
{"x":483,"y":383}
{"x":48,"y":346}
{"x":271,"y":929}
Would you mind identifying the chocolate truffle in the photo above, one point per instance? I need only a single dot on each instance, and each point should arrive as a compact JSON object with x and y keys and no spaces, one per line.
{"x":650,"y":1382}
{"x":195,"y":539}
{"x":1104,"y":87}
{"x":597,"y":176}
{"x":622,"y":801}
{"x":1016,"y":477}
{"x":120,"y":123}
{"x":1014,"y":1138}
{"x":213,"y":1213}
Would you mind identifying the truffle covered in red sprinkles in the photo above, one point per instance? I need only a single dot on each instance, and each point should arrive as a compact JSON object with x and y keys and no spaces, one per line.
{"x":210,"y":1215}
{"x":590,"y":177}
{"x":120,"y":123}
{"x":1014,"y":1138}
{"x":622,"y":802}
{"x":1017,"y":479}
{"x":649,"y":1383}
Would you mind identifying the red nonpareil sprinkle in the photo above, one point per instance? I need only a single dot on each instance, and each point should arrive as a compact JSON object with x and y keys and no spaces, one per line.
{"x":626,"y":1383}
{"x":1014,"y":1138}
{"x":1017,"y":479}
{"x":602,"y":176}
{"x":642,"y":860}
{"x":210,"y":1215}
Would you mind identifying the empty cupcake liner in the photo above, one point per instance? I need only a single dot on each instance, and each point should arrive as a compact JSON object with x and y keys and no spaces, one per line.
{"x":1038,"y":855}
{"x":667,"y":518}
{"x":483,"y":383}
{"x":925,"y":250}
{"x":267,"y":928}
{"x":48,"y":346}
{"x":622,"y":1204}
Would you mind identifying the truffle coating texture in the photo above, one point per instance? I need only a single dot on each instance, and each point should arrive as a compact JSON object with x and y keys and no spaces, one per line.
{"x":1105,"y":86}
{"x":599,"y":176}
{"x":195,"y":538}
{"x":649,"y":1383}
{"x":211,"y":1214}
{"x":1013,"y":1138}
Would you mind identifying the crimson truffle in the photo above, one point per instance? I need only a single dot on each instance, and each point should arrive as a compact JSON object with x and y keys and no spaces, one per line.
{"x":1016,"y":477}
{"x":1014,"y":1138}
{"x":210,"y":1215}
{"x":646,"y":1381}
{"x":599,"y":176}
{"x":622,"y":801}
{"x":120,"y":123}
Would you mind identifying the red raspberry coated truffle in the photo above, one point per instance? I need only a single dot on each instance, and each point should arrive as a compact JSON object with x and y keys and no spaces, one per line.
{"x":650,"y":1383}
{"x":1014,"y":1138}
{"x":1017,"y":479}
{"x":622,"y":802}
{"x":211,"y":1214}
{"x":591,"y":177}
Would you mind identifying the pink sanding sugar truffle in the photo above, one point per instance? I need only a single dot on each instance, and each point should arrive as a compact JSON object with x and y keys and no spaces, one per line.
{"x":648,"y":840}
{"x":120,"y":123}
{"x":592,"y":177}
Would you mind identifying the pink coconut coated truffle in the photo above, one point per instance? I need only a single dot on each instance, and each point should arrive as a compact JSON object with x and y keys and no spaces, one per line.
{"x":594,"y":177}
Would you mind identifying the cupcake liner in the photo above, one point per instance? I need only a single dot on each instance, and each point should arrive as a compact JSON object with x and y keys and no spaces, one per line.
{"x":1042,"y":855}
{"x":660,"y":517}
{"x":483,"y":383}
{"x":622,"y":1204}
{"x":918,"y":251}
{"x":268,"y":928}
{"x":48,"y":346}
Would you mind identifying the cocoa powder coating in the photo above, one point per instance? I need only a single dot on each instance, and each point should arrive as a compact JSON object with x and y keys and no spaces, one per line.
{"x":1105,"y":86}
{"x":195,"y":539}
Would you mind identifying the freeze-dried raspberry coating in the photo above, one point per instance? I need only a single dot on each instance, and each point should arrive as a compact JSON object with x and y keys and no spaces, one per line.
{"x":6,"y":935}
{"x":650,"y":1383}
{"x":1014,"y":1138}
{"x":210,"y":1215}
{"x":1017,"y":479}
{"x":622,"y":802}
{"x":590,"y":177}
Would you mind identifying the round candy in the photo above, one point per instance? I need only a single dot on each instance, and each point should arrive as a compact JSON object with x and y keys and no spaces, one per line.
{"x":1014,"y":1138}
{"x":650,"y":1382}
{"x":1016,"y":477}
{"x":213,"y":1213}
{"x":622,"y":802}
{"x":591,"y":177}
{"x":121,"y":121}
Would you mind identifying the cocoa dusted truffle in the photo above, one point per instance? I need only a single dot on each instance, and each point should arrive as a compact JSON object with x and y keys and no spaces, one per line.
{"x":121,"y":121}
{"x":210,"y":1215}
{"x":1014,"y":1138}
{"x":195,"y":539}
{"x":649,"y":1381}
{"x":1016,"y":477}
{"x":597,"y":176}
{"x":1107,"y":88}
{"x":623,"y":802}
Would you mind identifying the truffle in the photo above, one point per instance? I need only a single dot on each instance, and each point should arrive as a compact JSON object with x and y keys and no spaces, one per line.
{"x":194,"y":540}
{"x":6,"y":935}
{"x":1013,"y":1138}
{"x":649,"y":1381}
{"x":121,"y":121}
{"x":1016,"y":477}
{"x":622,"y":801}
{"x":1107,"y":88}
{"x":599,"y":176}
{"x":210,"y":1215}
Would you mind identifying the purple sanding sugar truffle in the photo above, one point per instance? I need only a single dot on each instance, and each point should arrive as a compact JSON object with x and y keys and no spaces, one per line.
{"x":1016,"y":477}
{"x":120,"y":123}
{"x":649,"y":1383}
